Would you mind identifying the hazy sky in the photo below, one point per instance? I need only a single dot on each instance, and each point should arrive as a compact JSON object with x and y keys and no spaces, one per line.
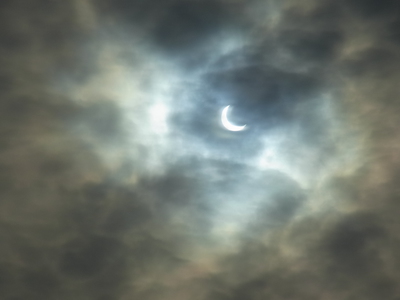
{"x":119,"y":182}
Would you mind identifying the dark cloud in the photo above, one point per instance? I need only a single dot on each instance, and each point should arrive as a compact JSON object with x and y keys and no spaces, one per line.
{"x":186,"y":25}
{"x":88,"y":256}
{"x":373,"y":62}
{"x":372,"y":9}
{"x":315,"y":46}
{"x":392,"y":33}
{"x":175,"y":25}
{"x":348,"y":247}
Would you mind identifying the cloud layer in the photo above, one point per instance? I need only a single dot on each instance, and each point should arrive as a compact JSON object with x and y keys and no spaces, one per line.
{"x":118,"y":180}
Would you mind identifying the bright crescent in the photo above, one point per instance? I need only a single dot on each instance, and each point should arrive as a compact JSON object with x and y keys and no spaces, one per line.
{"x":228,"y":125}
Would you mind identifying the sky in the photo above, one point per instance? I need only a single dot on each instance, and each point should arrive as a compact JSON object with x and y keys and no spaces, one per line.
{"x":119,"y":181}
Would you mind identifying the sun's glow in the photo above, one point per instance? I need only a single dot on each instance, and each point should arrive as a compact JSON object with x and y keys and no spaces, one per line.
{"x":158,"y":116}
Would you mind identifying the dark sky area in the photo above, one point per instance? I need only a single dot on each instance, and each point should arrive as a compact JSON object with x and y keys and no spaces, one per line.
{"x":119,"y":181}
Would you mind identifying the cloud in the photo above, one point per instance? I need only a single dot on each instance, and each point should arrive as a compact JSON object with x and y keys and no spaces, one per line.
{"x":118,"y":180}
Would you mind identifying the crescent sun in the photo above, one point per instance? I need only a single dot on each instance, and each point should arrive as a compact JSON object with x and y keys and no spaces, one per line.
{"x":228,"y":125}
